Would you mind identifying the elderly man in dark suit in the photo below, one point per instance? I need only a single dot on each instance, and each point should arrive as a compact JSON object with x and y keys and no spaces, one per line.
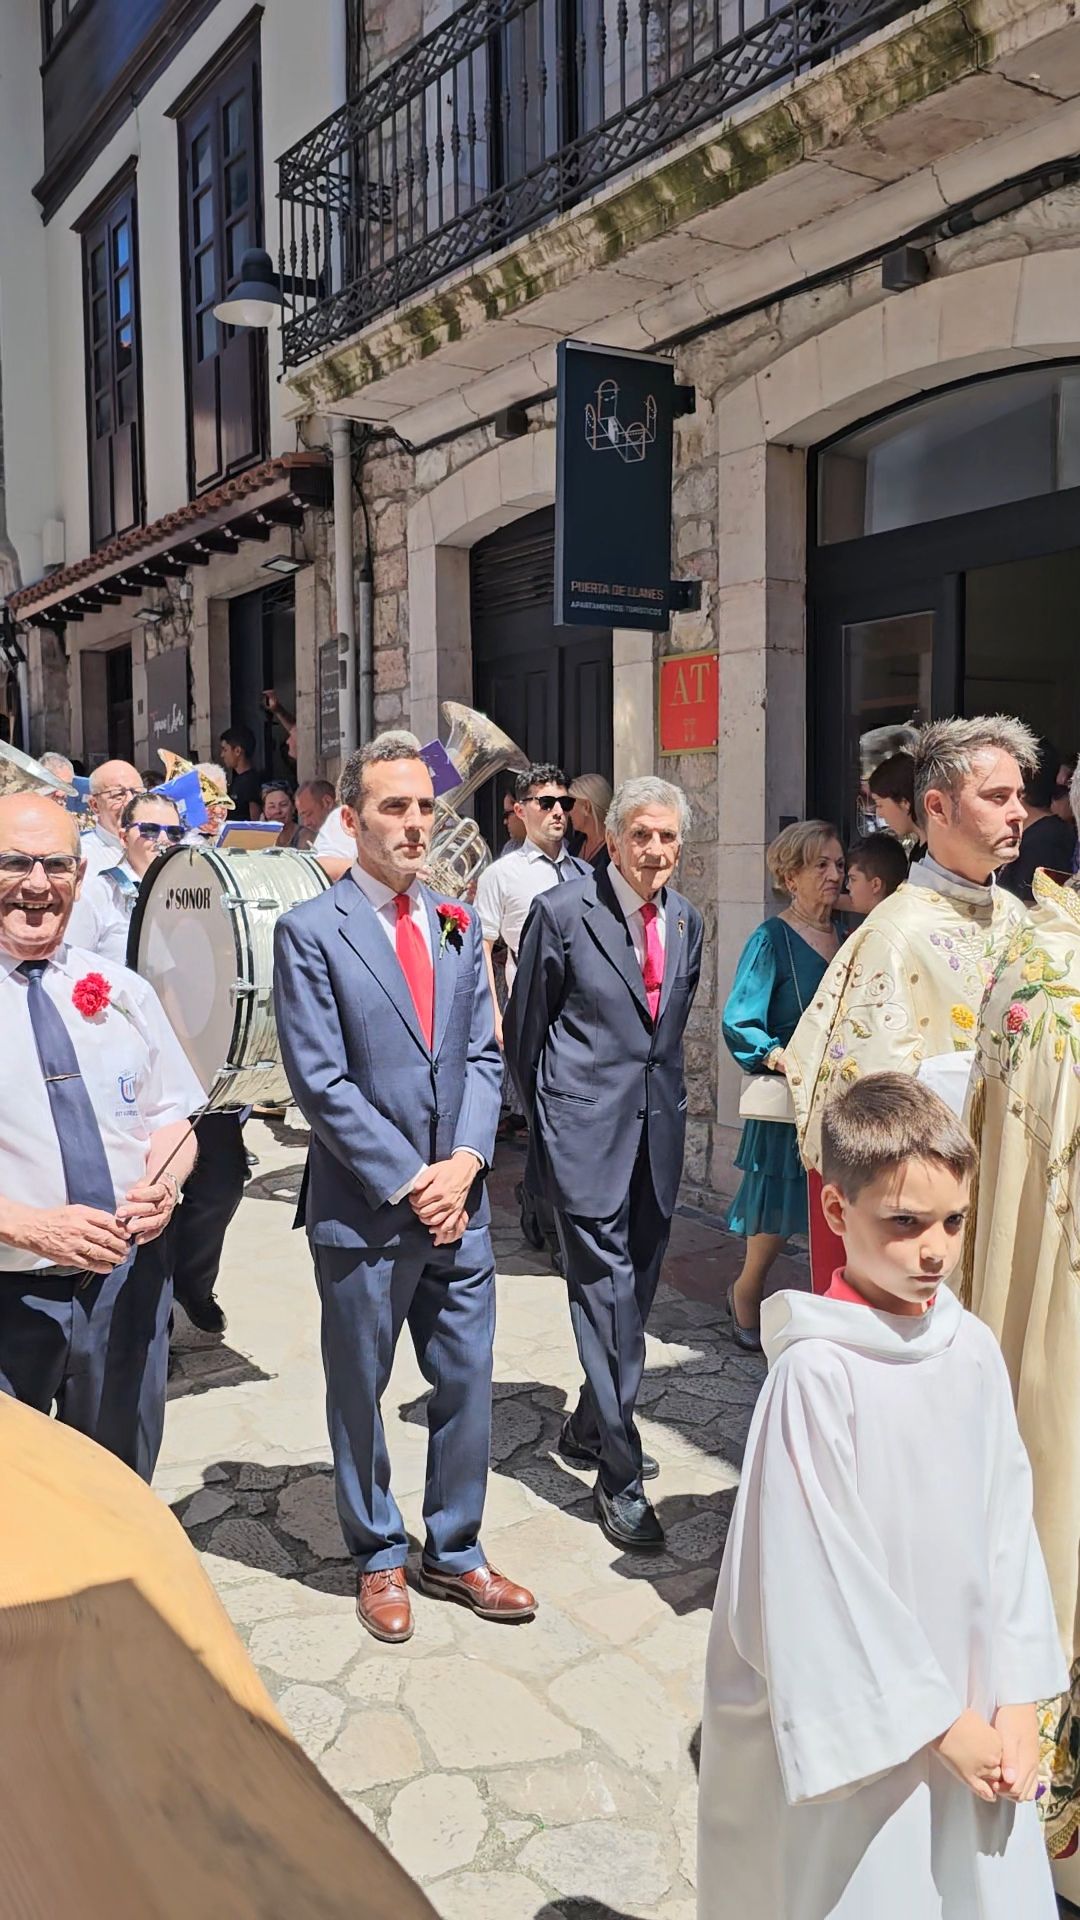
{"x":387,"y":1036}
{"x":607,"y":972}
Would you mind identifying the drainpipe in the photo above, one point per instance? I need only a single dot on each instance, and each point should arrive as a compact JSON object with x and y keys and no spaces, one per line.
{"x":341,"y":445}
{"x":366,"y":653}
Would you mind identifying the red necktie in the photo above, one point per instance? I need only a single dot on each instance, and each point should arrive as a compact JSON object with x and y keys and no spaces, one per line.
{"x":653,"y":970}
{"x":415,"y":962}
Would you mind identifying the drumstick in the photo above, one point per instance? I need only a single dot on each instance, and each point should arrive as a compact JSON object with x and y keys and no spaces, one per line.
{"x":225,"y":1074}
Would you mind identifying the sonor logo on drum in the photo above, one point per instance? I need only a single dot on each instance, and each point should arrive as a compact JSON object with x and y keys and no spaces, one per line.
{"x":188,"y":899}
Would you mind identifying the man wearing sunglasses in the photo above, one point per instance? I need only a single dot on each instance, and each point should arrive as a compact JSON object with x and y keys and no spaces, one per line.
{"x":111,"y":787}
{"x":101,"y":914}
{"x":95,"y":1097}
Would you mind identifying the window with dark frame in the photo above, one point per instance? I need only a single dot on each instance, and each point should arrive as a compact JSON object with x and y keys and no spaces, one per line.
{"x":113,"y":396}
{"x":220,"y":154}
{"x":55,"y":15}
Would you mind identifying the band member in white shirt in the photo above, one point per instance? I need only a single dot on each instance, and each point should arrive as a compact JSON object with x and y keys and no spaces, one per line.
{"x":102,"y":913}
{"x":111,"y":787}
{"x":95,"y":1096}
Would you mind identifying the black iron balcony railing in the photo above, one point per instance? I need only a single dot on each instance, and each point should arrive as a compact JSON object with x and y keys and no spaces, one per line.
{"x":507,"y":114}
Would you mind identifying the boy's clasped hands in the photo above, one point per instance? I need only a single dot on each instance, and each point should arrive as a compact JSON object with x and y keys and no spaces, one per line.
{"x":998,"y":1760}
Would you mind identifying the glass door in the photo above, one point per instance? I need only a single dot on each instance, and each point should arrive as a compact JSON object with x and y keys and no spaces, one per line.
{"x":883,"y":663}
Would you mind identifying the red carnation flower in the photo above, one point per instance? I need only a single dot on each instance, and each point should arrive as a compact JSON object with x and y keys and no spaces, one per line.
{"x":1016,"y":1018}
{"x":91,"y":995}
{"x":454,"y":915}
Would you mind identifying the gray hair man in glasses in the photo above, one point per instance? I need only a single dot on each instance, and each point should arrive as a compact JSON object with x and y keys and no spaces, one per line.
{"x":102,"y":913}
{"x":95,"y":1097}
{"x":111,"y":787}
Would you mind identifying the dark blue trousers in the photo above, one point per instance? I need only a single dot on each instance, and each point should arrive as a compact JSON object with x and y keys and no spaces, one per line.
{"x":612,"y":1269}
{"x":447,"y":1297}
{"x":99,"y":1353}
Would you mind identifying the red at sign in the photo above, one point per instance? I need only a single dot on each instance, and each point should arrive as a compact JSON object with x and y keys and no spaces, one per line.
{"x":689,"y":702}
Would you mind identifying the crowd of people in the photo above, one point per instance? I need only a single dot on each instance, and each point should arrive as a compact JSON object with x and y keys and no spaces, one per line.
{"x":887,"y":1640}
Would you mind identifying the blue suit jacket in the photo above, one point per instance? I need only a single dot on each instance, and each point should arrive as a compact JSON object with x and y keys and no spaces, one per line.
{"x":378,"y":1102}
{"x":591,"y":1068}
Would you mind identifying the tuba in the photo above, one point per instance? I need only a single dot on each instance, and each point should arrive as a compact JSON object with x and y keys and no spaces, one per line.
{"x":479,"y":750}
{"x":20,"y":774}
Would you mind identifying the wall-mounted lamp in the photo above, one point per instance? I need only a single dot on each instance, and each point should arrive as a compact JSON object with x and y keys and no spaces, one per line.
{"x":282,"y":563}
{"x":259,"y":296}
{"x":150,"y":616}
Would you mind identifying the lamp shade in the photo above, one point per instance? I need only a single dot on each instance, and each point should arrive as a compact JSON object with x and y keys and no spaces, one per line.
{"x":256,"y":300}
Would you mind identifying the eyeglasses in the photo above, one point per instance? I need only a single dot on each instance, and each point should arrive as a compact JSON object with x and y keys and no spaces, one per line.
{"x":548,"y":802}
{"x":55,"y":866}
{"x":157,"y":830}
{"x":116,"y":794}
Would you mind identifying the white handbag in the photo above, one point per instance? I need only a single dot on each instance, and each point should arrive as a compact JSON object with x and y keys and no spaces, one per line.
{"x":767,"y":1096}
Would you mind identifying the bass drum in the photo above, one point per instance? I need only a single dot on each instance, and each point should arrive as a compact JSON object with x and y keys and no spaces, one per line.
{"x":202,"y":933}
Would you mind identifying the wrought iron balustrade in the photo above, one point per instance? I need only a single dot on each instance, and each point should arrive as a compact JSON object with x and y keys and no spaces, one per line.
{"x":508,"y":113}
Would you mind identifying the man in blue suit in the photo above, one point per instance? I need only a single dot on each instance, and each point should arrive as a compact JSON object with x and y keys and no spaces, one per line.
{"x":387,"y":1036}
{"x":607,"y":972}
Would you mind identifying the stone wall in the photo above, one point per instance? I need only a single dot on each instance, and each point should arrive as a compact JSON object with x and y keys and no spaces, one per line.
{"x":739,"y":793}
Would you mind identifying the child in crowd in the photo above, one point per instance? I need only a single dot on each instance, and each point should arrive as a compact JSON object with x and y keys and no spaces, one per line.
{"x":883,"y":1622}
{"x":876,"y":866}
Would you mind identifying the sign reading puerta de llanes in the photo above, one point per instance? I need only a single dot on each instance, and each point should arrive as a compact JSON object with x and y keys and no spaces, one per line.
{"x":613,"y":488}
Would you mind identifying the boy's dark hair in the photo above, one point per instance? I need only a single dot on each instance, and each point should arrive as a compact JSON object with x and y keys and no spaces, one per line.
{"x":883,"y":1121}
{"x":894,"y":779}
{"x":241,"y":737}
{"x":881,"y":857}
{"x":541,"y":774}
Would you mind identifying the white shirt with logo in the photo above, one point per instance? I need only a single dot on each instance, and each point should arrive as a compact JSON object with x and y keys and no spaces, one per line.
{"x":132,"y":1064}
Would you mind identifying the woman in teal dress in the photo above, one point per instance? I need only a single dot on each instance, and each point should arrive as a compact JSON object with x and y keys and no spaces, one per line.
{"x":777,"y":976}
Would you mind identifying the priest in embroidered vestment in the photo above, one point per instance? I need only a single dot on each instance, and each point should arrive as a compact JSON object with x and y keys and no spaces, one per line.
{"x":1022,"y":1276}
{"x":908,"y":984}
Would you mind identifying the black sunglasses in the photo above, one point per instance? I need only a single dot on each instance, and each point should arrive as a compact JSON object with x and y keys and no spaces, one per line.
{"x":548,"y":802}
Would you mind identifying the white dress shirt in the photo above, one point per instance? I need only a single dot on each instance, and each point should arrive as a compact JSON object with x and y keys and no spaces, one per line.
{"x":102,"y":913}
{"x":506,"y":891}
{"x":333,"y":839}
{"x":384,"y":901}
{"x":133,"y":1066}
{"x":99,"y":850}
{"x":631,"y":904}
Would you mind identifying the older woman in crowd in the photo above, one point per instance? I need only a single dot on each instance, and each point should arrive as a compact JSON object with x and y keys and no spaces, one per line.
{"x":777,"y":975}
{"x":279,"y":806}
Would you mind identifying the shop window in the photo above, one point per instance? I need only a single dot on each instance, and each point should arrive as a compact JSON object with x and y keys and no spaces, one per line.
{"x":989,"y":444}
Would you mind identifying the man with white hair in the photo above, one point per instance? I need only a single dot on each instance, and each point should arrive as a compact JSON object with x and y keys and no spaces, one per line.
{"x":607,"y":971}
{"x":111,"y":787}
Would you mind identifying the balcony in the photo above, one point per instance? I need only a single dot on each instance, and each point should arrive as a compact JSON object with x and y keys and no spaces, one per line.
{"x":506,"y":116}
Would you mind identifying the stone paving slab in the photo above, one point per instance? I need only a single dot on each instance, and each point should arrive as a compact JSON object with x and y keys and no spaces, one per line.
{"x":536,"y":1772}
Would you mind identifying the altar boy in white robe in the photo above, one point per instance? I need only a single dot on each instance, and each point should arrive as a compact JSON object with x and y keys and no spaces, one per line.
{"x":883,"y":1622}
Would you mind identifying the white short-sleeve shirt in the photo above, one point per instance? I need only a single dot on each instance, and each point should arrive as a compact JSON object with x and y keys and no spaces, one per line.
{"x":99,"y":850}
{"x":506,"y":890}
{"x":102,"y":913}
{"x":133,"y":1066}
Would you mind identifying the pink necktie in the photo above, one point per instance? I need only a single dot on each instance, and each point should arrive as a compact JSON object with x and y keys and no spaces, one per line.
{"x":416,"y":965}
{"x":653,"y":971}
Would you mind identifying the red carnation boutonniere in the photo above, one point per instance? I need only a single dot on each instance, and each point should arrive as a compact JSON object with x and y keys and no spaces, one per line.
{"x":91,"y":995}
{"x":453,"y":921}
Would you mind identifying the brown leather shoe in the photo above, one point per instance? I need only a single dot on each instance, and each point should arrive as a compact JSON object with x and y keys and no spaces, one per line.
{"x":382,"y":1604}
{"x":489,"y":1594}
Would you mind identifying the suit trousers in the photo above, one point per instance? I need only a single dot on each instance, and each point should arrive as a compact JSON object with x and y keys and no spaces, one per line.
{"x":212,"y":1193}
{"x":99,"y":1352}
{"x":447,"y":1297}
{"x":612,"y":1270}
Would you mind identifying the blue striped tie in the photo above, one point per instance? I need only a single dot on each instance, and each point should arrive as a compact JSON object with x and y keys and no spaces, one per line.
{"x":82,"y":1152}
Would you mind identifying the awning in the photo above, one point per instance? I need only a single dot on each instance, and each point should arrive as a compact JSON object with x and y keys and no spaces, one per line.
{"x":248,"y":507}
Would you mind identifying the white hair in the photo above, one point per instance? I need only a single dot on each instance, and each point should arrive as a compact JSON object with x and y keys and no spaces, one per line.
{"x":59,"y":764}
{"x":944,"y":752}
{"x":209,"y":771}
{"x":646,"y":790}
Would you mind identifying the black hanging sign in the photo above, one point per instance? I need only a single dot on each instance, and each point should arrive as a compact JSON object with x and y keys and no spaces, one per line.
{"x":613,"y":488}
{"x":167,"y":703}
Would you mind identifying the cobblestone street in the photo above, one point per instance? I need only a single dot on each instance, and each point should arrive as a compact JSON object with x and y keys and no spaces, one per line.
{"x":517,"y":1772}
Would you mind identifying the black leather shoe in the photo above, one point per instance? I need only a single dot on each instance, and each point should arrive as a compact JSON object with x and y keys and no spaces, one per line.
{"x":571,"y":1450}
{"x":206,"y":1315}
{"x":628,"y":1521}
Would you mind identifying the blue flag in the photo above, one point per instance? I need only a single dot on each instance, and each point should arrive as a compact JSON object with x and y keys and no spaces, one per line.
{"x":186,"y":790}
